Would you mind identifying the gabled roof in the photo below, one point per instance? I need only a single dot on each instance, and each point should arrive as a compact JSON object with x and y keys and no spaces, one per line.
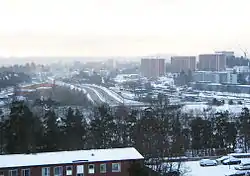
{"x":67,"y":157}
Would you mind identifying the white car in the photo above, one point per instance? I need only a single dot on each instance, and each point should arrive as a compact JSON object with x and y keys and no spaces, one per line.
{"x":243,"y":166}
{"x":208,"y":162}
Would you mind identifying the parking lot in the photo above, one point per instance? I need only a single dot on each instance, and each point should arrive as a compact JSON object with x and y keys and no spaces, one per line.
{"x":193,"y":168}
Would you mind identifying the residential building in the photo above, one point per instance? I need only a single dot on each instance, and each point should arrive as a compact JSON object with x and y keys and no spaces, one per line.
{"x":110,"y":64}
{"x":183,"y":63}
{"x":152,"y":67}
{"x":115,"y":162}
{"x":228,"y":78}
{"x":215,"y":77}
{"x":226,"y":53}
{"x":241,"y":69}
{"x":212,"y":62}
{"x":206,"y":76}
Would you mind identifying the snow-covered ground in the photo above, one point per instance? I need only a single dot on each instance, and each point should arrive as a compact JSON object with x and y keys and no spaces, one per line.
{"x":128,"y":95}
{"x":235,"y":109}
{"x":194,"y":169}
{"x":163,"y":81}
{"x":125,"y":94}
{"x":126,"y":77}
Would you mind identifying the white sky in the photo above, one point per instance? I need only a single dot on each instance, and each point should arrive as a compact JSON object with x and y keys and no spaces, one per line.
{"x":122,"y":27}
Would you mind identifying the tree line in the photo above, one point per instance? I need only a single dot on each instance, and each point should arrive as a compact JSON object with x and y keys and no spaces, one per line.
{"x":8,"y":79}
{"x":155,"y":131}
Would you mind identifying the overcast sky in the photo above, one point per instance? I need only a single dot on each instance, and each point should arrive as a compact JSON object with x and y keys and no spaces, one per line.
{"x":122,"y":27}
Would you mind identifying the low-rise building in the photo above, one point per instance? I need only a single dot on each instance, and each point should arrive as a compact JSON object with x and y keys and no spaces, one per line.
{"x":215,"y":77}
{"x":115,"y":162}
{"x":228,"y":78}
{"x":206,"y":76}
{"x":241,"y":69}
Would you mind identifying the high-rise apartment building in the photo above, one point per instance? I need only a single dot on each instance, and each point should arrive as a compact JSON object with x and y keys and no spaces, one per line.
{"x":226,"y":53}
{"x":183,"y":63}
{"x":152,"y":67}
{"x":212,"y":62}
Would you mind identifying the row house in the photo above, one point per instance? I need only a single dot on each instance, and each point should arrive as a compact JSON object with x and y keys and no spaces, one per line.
{"x":98,"y":162}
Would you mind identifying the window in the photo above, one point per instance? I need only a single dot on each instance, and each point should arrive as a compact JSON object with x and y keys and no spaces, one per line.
{"x":91,"y":169}
{"x":1,"y":173}
{"x":13,"y":172}
{"x":116,"y":167}
{"x":45,"y":171}
{"x":80,"y":170}
{"x":58,"y":171}
{"x":103,"y":168}
{"x":25,"y":172}
{"x":68,"y":170}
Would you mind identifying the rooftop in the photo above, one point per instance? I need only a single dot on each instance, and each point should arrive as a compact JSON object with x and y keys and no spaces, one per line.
{"x":66,"y":157}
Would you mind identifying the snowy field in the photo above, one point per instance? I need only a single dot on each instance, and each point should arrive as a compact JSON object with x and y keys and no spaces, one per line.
{"x":194,"y":169}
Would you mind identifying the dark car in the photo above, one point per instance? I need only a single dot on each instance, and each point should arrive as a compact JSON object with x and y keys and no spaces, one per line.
{"x":173,"y":173}
{"x":231,"y":161}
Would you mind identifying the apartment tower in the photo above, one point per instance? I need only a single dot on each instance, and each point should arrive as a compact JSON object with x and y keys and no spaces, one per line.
{"x":183,"y":63}
{"x":152,"y":67}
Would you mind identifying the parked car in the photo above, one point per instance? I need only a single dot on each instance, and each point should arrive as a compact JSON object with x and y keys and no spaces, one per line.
{"x":173,"y":173}
{"x":231,"y":161}
{"x":239,"y":173}
{"x":221,"y":159}
{"x":208,"y":162}
{"x":243,"y":166}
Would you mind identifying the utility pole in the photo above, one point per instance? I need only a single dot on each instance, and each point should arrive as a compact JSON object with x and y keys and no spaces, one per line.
{"x":1,"y":131}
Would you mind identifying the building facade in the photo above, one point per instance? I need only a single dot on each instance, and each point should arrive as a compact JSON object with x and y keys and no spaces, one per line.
{"x":206,"y":76}
{"x":215,"y":77}
{"x":152,"y":68}
{"x":226,"y":53}
{"x":212,"y":62}
{"x":241,"y":69}
{"x":113,"y":162}
{"x":183,"y":63}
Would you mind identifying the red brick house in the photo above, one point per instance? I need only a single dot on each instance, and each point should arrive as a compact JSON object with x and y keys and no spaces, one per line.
{"x":99,"y":162}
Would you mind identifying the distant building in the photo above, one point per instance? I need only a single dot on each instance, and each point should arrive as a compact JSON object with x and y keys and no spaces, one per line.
{"x":226,"y":53}
{"x":212,"y":62}
{"x":183,"y":63}
{"x":113,"y":162}
{"x":215,"y":77}
{"x":206,"y":76}
{"x":230,"y":58}
{"x":152,"y":68}
{"x":110,"y":64}
{"x":228,"y":78}
{"x":241,"y":69}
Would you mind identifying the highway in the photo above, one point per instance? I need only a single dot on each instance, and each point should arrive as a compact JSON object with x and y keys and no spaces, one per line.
{"x":100,"y":95}
{"x":110,"y":97}
{"x":94,"y":94}
{"x":100,"y":92}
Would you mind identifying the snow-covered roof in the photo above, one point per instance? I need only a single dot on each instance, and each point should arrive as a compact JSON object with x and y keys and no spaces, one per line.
{"x":66,"y":157}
